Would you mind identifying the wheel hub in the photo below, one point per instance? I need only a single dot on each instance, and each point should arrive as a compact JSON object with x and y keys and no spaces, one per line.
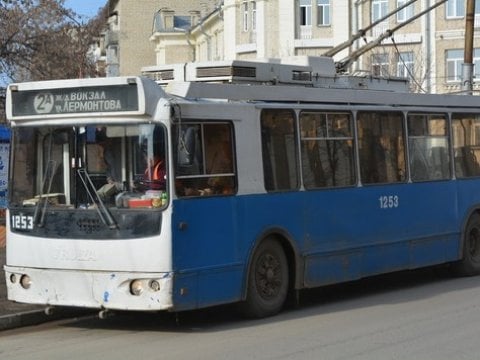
{"x":268,"y":276}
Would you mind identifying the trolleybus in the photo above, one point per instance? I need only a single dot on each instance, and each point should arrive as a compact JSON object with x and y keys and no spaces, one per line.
{"x":233,"y":182}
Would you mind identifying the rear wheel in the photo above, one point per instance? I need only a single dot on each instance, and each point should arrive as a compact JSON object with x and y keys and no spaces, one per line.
{"x":267,"y":281}
{"x":470,"y":263}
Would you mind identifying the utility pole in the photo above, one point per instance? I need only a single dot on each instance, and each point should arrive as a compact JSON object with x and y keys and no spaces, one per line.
{"x":467,"y":68}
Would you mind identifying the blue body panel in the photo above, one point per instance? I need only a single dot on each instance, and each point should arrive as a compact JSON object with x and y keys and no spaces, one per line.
{"x":338,"y":234}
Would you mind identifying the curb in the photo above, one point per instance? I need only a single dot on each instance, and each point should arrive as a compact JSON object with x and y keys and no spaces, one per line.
{"x":36,"y":317}
{"x":26,"y":318}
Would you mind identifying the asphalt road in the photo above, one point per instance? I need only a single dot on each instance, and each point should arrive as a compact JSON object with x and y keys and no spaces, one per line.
{"x":412,"y":315}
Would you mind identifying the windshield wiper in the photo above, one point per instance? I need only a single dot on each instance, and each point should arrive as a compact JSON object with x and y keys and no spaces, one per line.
{"x":102,"y":210}
{"x":42,"y":203}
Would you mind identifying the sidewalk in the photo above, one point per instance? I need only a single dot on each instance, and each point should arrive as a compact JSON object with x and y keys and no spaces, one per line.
{"x":13,"y":315}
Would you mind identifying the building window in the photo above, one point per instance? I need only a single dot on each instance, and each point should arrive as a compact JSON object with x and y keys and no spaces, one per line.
{"x":476,"y":63}
{"x":405,"y":66}
{"x":380,"y":65}
{"x":305,"y":12}
{"x":455,"y":60}
{"x":379,"y":9}
{"x":406,"y":13}
{"x":455,"y":8}
{"x":454,"y":65}
{"x":254,"y":15}
{"x":245,"y":15}
{"x":323,"y":12}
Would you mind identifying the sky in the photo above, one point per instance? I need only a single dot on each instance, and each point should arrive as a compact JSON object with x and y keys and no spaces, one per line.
{"x":86,"y":8}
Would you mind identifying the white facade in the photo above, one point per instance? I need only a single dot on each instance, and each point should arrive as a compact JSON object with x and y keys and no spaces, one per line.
{"x":428,"y":50}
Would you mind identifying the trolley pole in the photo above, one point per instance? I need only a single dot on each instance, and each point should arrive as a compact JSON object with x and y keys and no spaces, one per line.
{"x":467,"y":68}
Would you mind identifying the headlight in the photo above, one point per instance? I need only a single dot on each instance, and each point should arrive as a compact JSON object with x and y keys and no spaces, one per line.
{"x":136,"y":287}
{"x":25,"y":281}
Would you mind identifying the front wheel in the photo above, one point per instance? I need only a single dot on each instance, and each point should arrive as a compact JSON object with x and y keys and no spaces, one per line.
{"x":267,"y":285}
{"x":470,"y":263}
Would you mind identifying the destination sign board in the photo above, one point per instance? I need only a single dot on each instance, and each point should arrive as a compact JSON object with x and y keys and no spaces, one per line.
{"x":94,"y":99}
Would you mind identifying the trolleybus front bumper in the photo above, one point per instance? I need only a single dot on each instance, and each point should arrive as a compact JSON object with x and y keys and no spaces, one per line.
{"x":90,"y":289}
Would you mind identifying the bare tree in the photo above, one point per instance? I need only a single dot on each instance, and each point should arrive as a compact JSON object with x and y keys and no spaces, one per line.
{"x":42,"y":40}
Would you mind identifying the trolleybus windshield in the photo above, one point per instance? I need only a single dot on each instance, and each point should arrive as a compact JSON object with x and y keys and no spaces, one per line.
{"x":88,"y":167}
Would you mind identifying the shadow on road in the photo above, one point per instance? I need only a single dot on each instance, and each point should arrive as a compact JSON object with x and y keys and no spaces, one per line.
{"x":405,"y":286}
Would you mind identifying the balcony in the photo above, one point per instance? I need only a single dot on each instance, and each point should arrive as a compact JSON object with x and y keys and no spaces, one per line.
{"x":305,"y":32}
{"x":379,"y":29}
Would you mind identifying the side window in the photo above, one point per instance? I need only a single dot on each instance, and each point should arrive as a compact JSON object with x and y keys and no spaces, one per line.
{"x":327,"y":149}
{"x":428,"y":147}
{"x":279,"y":150}
{"x":466,"y":144}
{"x":381,"y":147}
{"x":205,"y":162}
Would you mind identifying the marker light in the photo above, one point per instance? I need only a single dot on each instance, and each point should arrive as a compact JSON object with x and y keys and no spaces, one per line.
{"x":154,"y":285}
{"x":136,"y":287}
{"x":25,"y":281}
{"x":13,"y":278}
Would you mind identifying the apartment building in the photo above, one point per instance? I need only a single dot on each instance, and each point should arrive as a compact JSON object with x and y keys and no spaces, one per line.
{"x":428,"y":50}
{"x":427,"y":45}
{"x":130,"y":25}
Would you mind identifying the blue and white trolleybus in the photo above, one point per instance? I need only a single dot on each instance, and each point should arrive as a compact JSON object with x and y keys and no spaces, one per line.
{"x":233,"y":182}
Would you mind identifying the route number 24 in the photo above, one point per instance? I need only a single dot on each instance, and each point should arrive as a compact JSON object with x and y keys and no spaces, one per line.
{"x":388,"y":201}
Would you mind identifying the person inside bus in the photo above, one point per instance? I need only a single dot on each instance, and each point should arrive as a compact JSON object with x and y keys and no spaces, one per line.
{"x":109,"y":147}
{"x":219,"y":160}
{"x":154,"y":177}
{"x":155,"y":174}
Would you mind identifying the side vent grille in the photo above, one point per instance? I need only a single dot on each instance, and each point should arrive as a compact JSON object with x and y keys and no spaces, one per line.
{"x":221,"y":71}
{"x":301,"y":75}
{"x":161,"y":75}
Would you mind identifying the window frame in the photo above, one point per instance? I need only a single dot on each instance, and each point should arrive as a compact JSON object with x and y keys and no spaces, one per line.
{"x":330,"y":136}
{"x":466,"y":144}
{"x":383,"y":65}
{"x":406,"y":13}
{"x":456,"y":60}
{"x":204,"y":178}
{"x":373,"y":142}
{"x":427,"y":134}
{"x":405,"y":64}
{"x":453,"y":9}
{"x":254,"y":15}
{"x":379,"y":9}
{"x":305,"y":13}
{"x":269,"y":167}
{"x":324,"y":13}
{"x":245,"y":16}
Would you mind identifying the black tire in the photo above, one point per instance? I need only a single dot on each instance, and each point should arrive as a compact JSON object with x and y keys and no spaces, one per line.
{"x":267,"y":283}
{"x":470,"y":263}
